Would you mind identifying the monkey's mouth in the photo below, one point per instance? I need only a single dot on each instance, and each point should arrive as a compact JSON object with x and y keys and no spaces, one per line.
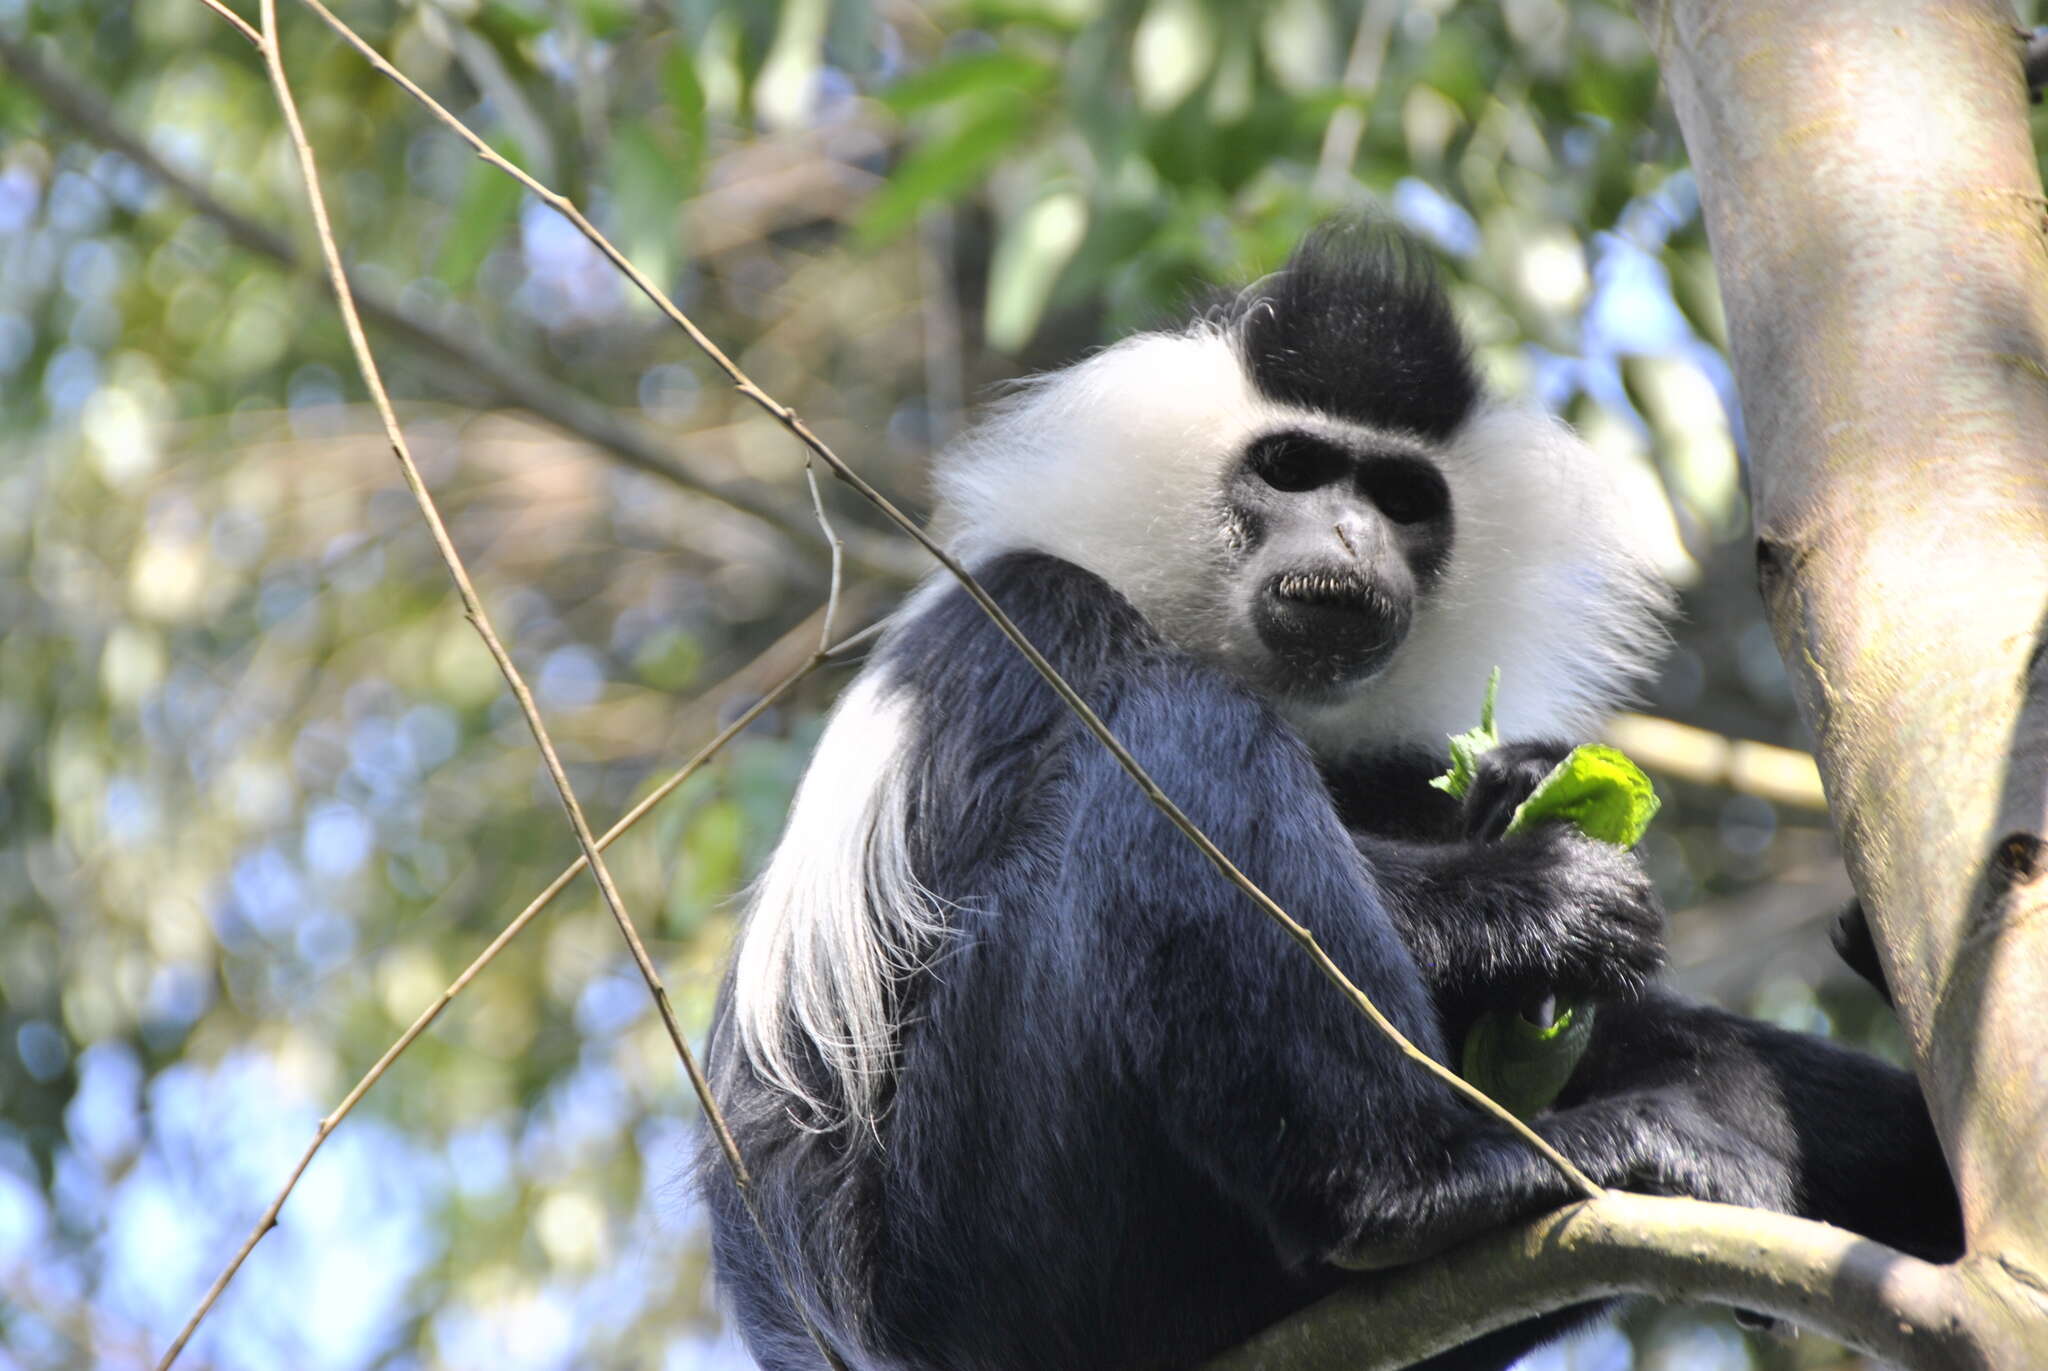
{"x":1326,"y":590}
{"x":1327,"y":628}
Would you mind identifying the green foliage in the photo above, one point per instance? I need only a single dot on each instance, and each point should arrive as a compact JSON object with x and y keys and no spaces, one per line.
{"x":970,"y":77}
{"x":1596,"y":788}
{"x":1523,"y":1063}
{"x":485,"y":212}
{"x":942,"y":170}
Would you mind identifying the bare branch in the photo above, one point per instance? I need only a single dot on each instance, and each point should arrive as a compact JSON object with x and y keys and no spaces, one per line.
{"x":789,"y":419}
{"x":1361,"y":76}
{"x":1782,"y":775}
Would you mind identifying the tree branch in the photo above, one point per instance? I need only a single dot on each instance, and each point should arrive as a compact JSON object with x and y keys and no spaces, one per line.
{"x":1860,"y":1292}
{"x":1874,"y":201}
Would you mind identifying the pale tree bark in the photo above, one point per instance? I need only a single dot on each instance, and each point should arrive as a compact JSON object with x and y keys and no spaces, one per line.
{"x":1873,"y":201}
{"x":1875,"y":210}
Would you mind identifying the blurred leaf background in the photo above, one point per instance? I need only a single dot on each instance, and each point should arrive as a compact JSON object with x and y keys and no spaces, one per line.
{"x":261,"y":791}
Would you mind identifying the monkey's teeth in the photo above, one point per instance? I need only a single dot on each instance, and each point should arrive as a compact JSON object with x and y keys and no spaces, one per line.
{"x":1321,"y":588}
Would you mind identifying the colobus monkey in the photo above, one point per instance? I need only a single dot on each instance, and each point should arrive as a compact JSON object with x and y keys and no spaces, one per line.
{"x":1023,"y":1083}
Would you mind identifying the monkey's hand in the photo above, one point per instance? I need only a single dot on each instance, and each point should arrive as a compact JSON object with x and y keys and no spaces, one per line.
{"x":1588,"y":912}
{"x":1505,"y":776}
{"x":1503,"y":922}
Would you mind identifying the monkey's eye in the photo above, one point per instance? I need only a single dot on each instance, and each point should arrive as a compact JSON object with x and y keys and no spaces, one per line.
{"x":1294,"y":462}
{"x":1406,"y":491}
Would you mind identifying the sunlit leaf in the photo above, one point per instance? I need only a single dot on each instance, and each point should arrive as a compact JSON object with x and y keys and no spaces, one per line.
{"x":1028,"y":260}
{"x":685,"y":95}
{"x":647,"y":183}
{"x":944,"y":169}
{"x":1598,"y":790}
{"x":490,"y":201}
{"x":1468,"y":747}
{"x":972,"y":74}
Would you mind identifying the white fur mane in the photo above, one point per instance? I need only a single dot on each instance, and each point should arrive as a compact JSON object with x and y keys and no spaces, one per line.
{"x":1117,"y":465}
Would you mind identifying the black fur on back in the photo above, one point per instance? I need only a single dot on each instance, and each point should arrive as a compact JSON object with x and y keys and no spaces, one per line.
{"x":1357,"y":325}
{"x":1130,"y":1125}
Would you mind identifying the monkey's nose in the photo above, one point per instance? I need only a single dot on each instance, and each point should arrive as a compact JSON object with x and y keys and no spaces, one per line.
{"x":1354,"y":535}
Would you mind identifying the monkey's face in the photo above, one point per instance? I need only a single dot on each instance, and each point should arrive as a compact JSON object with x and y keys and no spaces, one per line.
{"x":1339,"y":538}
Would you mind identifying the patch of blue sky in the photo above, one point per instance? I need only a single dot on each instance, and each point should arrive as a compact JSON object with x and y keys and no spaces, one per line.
{"x":1437,"y":217}
{"x":582,"y":1117}
{"x":610,"y":1003}
{"x":338,"y":839}
{"x":570,"y":678}
{"x":324,"y":1290}
{"x":24,"y":1219}
{"x":103,"y":1119}
{"x":268,"y":891}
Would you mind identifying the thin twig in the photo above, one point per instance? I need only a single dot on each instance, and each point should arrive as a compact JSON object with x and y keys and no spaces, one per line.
{"x":789,"y":419}
{"x":484,"y":958}
{"x":473,"y":608}
{"x":242,"y":26}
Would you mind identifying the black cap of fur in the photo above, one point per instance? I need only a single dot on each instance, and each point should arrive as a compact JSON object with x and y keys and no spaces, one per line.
{"x":1358,"y":326}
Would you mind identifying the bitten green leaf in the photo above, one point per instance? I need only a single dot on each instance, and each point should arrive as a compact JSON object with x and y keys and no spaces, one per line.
{"x":1598,"y":789}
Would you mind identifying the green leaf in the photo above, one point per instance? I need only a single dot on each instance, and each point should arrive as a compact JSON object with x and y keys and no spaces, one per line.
{"x":710,"y":867}
{"x":490,"y":200}
{"x":685,"y":94}
{"x":1596,"y":788}
{"x":514,"y":22}
{"x":605,"y":18}
{"x":1054,"y":18}
{"x":1524,"y":1065}
{"x":1029,"y":257}
{"x":1469,"y":746}
{"x":647,"y":184}
{"x":976,"y":72}
{"x":944,"y":169}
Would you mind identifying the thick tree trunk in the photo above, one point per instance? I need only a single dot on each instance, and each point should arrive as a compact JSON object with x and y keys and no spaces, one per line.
{"x":1874,"y":206}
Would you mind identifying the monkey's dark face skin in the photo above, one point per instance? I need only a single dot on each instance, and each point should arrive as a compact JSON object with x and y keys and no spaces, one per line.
{"x":1340,"y":540}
